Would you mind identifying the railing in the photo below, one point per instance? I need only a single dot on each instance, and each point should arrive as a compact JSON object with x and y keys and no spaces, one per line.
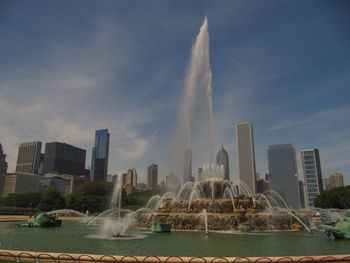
{"x":29,"y":256}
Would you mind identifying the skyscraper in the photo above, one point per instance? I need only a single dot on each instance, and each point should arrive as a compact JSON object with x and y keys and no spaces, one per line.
{"x":152,"y":176}
{"x":187,"y":176}
{"x":28,"y":160}
{"x":3,"y":169}
{"x":310,"y":160}
{"x":246,"y":155}
{"x":99,"y":159}
{"x":64,"y":159}
{"x":131,"y":181}
{"x":222,"y":159}
{"x":283,"y":170}
{"x":334,"y":180}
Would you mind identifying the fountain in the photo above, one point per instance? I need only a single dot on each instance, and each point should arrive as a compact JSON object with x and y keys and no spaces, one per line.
{"x":225,"y":209}
{"x":113,"y":224}
{"x":210,"y":204}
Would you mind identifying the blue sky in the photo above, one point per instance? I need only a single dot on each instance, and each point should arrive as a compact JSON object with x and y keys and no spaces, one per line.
{"x":71,"y":67}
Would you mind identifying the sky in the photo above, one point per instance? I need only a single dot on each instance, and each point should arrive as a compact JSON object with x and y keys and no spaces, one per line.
{"x":71,"y":67}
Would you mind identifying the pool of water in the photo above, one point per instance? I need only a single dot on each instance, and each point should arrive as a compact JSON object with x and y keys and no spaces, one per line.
{"x":74,"y":237}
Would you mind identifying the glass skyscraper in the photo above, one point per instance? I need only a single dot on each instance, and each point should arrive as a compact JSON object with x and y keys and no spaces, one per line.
{"x":310,"y":160}
{"x":99,"y":159}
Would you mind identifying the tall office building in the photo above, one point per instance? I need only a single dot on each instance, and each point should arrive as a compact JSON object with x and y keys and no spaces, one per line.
{"x":64,"y":158}
{"x":334,"y":180}
{"x":187,"y":176}
{"x":131,"y":177}
{"x":131,"y":181}
{"x":311,"y":165}
{"x":284,"y":175}
{"x":222,"y":159}
{"x":28,"y":160}
{"x":3,"y":169}
{"x":99,"y":159}
{"x":246,"y":154}
{"x":152,"y":176}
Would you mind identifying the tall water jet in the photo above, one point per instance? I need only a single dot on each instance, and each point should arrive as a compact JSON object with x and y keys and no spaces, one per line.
{"x":116,"y":200}
{"x":204,"y":217}
{"x":197,"y":83}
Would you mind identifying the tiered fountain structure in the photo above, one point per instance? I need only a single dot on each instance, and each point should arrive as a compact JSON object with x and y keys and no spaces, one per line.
{"x":225,"y":205}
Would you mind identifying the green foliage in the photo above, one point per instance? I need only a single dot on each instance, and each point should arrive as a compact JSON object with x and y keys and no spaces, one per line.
{"x":334,"y":198}
{"x":95,"y":189}
{"x":22,"y":200}
{"x":51,"y":200}
{"x":93,"y":196}
{"x":139,"y":199}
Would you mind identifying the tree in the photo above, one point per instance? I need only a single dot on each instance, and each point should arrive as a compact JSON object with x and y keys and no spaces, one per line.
{"x":334,"y":198}
{"x":92,"y":196}
{"x":51,"y":200}
{"x":22,"y":200}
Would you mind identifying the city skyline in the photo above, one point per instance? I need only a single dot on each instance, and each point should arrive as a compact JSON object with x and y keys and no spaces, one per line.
{"x":73,"y":77}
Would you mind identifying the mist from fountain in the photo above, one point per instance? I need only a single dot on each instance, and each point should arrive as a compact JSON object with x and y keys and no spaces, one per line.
{"x":107,"y":213}
{"x":203,"y":216}
{"x":276,"y":198}
{"x":164,"y":196}
{"x":229,"y":194}
{"x":112,"y":222}
{"x":259,"y":195}
{"x":330,"y":217}
{"x":194,"y":194}
{"x":153,"y":200}
{"x":212,"y":171}
{"x":298,"y":219}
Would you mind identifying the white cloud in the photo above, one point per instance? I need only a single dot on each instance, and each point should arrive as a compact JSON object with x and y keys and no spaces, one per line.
{"x":63,"y":96}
